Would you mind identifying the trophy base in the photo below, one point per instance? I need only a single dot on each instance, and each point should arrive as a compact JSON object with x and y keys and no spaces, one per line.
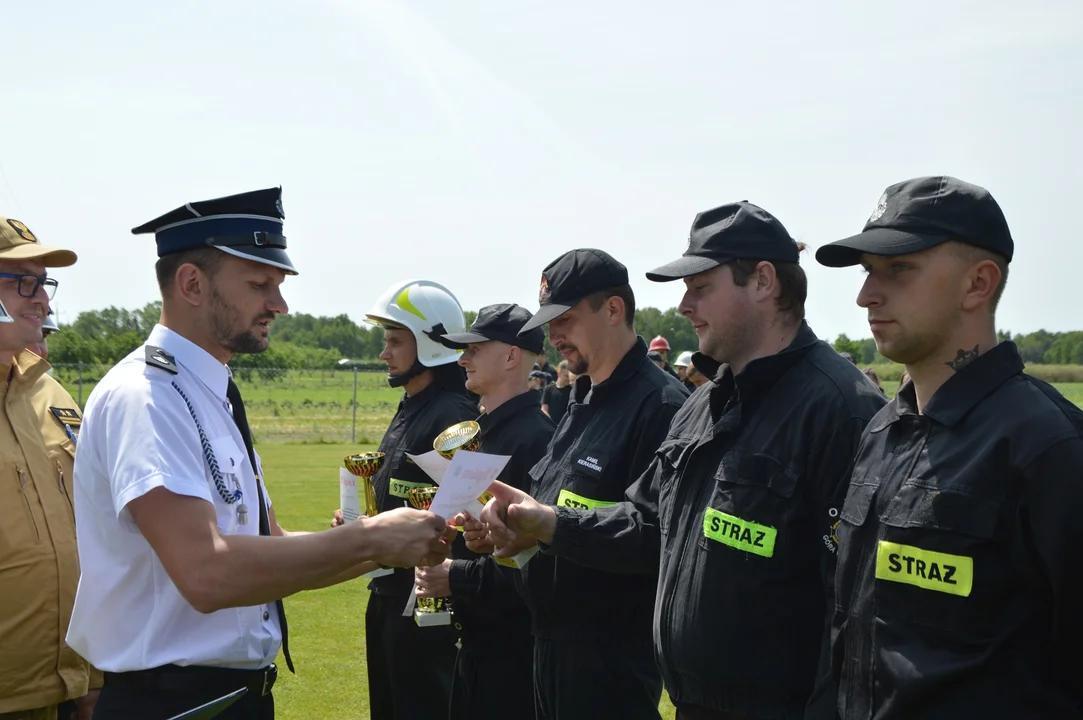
{"x":432,"y":619}
{"x":519,"y":560}
{"x":378,"y":573}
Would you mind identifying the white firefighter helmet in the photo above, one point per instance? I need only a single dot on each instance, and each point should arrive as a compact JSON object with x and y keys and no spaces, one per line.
{"x":427,"y":310}
{"x":684,"y":359}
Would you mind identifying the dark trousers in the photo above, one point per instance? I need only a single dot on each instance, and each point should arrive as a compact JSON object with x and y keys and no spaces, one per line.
{"x":123,"y":702}
{"x":494,"y":682}
{"x":409,"y":667}
{"x":587,"y":681}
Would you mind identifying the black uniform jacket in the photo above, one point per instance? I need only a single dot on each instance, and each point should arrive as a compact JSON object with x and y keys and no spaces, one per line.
{"x":960,"y":582}
{"x":419,"y":419}
{"x":742,"y":500}
{"x":484,"y":597}
{"x":605,"y":441}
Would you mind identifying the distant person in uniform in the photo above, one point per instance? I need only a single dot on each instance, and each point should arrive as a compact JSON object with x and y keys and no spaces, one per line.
{"x":683,"y":366}
{"x":555,"y":396}
{"x":661,"y":346}
{"x":39,"y":565}
{"x":180,"y":597}
{"x":551,"y":374}
{"x":656,"y":357}
{"x":960,"y":577}
{"x":537,"y":381}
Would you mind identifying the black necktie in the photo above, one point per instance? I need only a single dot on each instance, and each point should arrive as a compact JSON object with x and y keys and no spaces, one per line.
{"x":241,"y":418}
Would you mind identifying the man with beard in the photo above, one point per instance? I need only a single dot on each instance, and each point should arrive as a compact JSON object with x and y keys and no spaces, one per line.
{"x":960,"y":578}
{"x":735,"y":514}
{"x":410,"y":667}
{"x":180,"y":596}
{"x":593,"y":655}
{"x":494,"y":668}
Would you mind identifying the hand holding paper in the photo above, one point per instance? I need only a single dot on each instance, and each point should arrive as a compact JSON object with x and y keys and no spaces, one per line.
{"x":467,"y":476}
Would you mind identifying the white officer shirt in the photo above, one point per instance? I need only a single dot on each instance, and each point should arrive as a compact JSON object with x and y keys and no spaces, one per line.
{"x":137,"y":435}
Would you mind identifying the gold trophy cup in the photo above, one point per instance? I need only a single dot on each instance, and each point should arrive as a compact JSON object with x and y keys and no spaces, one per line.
{"x":467,"y":436}
{"x":429,"y":612}
{"x":363,"y":466}
{"x":460,"y":436}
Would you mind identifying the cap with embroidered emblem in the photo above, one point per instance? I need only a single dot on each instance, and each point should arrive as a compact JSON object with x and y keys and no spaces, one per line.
{"x":248,"y":226}
{"x":921,"y":213}
{"x":501,"y":323}
{"x":18,"y":243}
{"x":570,"y":278}
{"x":737,"y":231}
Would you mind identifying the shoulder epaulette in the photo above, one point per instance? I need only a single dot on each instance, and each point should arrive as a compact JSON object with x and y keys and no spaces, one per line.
{"x":159,"y":358}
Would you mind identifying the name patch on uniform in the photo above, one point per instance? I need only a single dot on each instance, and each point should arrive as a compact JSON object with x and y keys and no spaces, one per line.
{"x":952,"y":574}
{"x":402,"y":488}
{"x":592,"y":465}
{"x":743,"y":535}
{"x":569,"y":499}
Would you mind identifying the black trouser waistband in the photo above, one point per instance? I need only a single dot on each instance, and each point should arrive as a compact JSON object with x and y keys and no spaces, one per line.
{"x":193,"y":678}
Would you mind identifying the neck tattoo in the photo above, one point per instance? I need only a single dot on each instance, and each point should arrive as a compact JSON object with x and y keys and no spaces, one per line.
{"x":962,"y":359}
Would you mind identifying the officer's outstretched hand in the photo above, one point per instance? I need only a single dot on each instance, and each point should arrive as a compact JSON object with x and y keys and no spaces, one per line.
{"x":405,"y":537}
{"x":516,"y":521}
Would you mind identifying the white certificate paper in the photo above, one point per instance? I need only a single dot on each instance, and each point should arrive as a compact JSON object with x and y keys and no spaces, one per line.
{"x":468,"y":475}
{"x":347,"y":495}
{"x":432,"y":464}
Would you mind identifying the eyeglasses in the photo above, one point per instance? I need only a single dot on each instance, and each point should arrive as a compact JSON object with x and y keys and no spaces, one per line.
{"x":29,"y":284}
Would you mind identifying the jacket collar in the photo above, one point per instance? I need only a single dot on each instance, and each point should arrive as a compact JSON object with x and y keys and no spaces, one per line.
{"x":193,"y":358}
{"x":961,"y":392}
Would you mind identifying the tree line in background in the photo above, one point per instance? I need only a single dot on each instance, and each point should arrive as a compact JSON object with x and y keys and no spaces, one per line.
{"x":306,"y":341}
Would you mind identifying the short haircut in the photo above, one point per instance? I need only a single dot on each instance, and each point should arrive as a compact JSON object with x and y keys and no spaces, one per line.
{"x":792,"y":281}
{"x":972,"y":254}
{"x":207,"y":259}
{"x":624,"y":292}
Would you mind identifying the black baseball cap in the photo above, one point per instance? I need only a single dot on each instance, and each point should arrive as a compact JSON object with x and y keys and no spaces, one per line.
{"x":501,"y":323}
{"x":738,"y":231}
{"x":918,"y":214}
{"x":570,"y":278}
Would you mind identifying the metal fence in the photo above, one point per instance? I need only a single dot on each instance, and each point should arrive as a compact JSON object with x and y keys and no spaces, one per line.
{"x":290,"y":405}
{"x":321,"y":405}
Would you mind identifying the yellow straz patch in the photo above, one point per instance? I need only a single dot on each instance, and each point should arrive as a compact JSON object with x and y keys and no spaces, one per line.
{"x":952,"y":574}
{"x":402,"y":488}
{"x":569,"y":499}
{"x":739,"y":534}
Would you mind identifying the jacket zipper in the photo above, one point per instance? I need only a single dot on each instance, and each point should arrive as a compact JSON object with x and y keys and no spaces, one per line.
{"x":24,"y":480}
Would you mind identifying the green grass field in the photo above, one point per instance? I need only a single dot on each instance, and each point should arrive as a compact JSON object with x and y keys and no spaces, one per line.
{"x":327,"y":627}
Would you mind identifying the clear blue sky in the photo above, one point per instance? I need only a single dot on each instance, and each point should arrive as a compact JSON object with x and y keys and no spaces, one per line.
{"x":472,"y":142}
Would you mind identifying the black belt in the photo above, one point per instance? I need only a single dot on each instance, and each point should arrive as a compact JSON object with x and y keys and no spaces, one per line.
{"x":192,"y":678}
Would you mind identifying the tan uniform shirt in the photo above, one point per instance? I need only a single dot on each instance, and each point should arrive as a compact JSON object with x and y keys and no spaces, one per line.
{"x":39,"y":565}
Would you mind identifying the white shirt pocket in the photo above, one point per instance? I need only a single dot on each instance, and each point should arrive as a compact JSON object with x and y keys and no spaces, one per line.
{"x":231,"y":461}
